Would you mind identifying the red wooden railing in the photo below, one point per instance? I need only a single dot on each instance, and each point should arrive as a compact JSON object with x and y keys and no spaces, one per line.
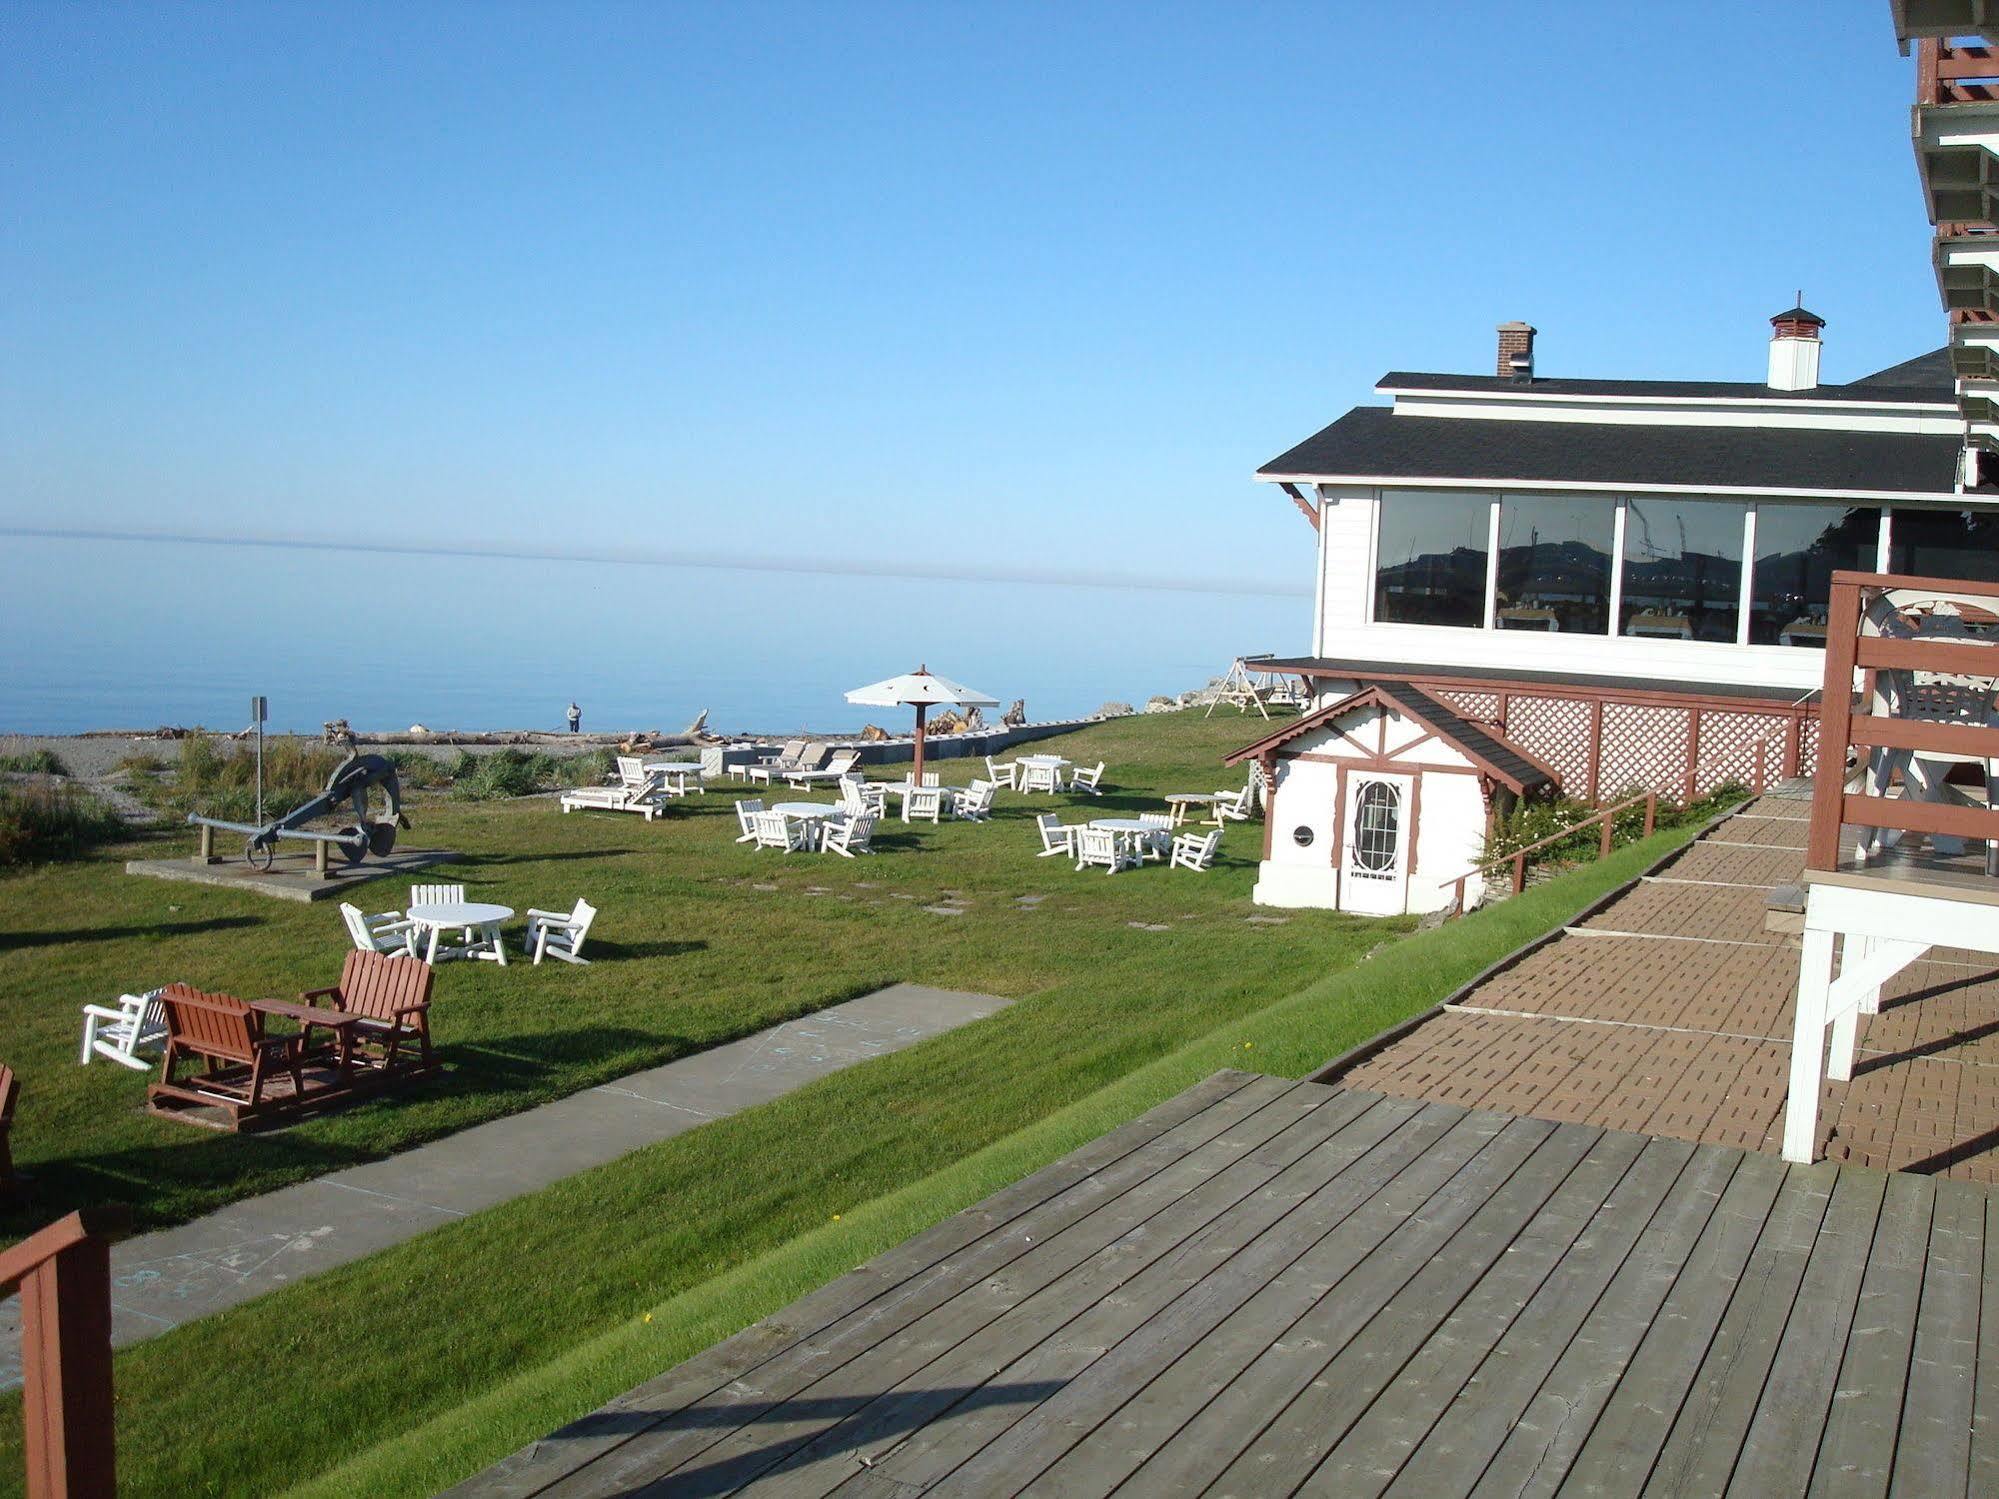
{"x":64,"y":1274}
{"x":1843,"y":730}
{"x":1955,"y":72}
{"x":1606,"y":816}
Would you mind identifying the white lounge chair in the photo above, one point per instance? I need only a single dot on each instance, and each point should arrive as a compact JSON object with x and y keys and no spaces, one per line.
{"x":137,"y":1022}
{"x":1055,"y":838}
{"x":1081,"y":779}
{"x":766,"y":759}
{"x":1103,"y":848}
{"x":560,"y":934}
{"x":643,"y":798}
{"x":775,"y":830}
{"x":925,"y":802}
{"x":1005,"y":774}
{"x":808,"y":757}
{"x":746,"y":817}
{"x":975,"y":802}
{"x":850,"y":836}
{"x":843,"y":763}
{"x":1195,"y":851}
{"x":385,"y":931}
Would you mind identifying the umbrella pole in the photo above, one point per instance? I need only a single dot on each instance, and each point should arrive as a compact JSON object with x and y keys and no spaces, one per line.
{"x":916,"y":775}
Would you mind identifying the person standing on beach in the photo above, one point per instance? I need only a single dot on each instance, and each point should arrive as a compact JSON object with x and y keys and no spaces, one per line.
{"x":575,"y":718}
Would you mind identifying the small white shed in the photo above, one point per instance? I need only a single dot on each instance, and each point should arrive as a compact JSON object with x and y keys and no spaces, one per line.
{"x":1380,"y":801}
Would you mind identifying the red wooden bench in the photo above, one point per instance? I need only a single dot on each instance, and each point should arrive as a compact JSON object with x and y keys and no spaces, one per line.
{"x":391,"y":992}
{"x":10,"y":1092}
{"x":228,"y":1035}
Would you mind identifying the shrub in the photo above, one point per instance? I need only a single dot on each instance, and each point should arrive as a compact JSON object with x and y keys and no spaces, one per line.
{"x":39,"y":762}
{"x":220,"y":780}
{"x":418,"y":771}
{"x":504,"y":773}
{"x":1533,"y":821}
{"x":45,"y":821}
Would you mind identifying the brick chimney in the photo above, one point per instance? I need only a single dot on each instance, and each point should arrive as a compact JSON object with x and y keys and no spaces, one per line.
{"x":1516,"y":351}
{"x":1794,"y":349}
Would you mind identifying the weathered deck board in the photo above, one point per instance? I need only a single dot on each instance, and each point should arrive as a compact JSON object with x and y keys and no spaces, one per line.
{"x":1272,"y":1287}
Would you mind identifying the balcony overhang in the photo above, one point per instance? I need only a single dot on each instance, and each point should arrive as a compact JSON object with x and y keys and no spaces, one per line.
{"x":1957,"y":157}
{"x":1938,"y":20}
{"x":1967,"y":268}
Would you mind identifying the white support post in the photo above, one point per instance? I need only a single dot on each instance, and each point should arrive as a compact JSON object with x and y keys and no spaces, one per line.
{"x":1801,"y":1108}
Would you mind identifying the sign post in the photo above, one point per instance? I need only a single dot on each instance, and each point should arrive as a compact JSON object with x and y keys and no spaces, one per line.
{"x":259,"y":709}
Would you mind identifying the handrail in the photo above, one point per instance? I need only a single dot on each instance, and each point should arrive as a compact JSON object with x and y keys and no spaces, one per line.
{"x":64,"y":1275}
{"x":1518,"y":858}
{"x":1844,"y":726}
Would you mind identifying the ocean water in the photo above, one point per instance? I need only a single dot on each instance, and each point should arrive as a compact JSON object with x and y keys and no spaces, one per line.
{"x":117,"y":634}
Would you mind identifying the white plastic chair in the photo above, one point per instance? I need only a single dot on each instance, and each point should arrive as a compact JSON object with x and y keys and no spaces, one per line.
{"x":1086,"y":780}
{"x":746,"y":817}
{"x":385,"y":931}
{"x":1055,"y":838}
{"x":560,"y":934}
{"x":1158,"y":838}
{"x":1195,"y":851}
{"x":138,"y":1021}
{"x":854,"y":835}
{"x":1238,"y":805}
{"x":926,"y":802}
{"x":1102,"y":847}
{"x":975,"y":803}
{"x":436,"y":895}
{"x":1040,"y":777}
{"x":1005,"y":774}
{"x":775,"y":830}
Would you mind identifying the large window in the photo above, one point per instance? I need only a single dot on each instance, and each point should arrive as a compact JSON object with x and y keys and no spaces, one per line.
{"x":1554,"y":563}
{"x":1944,"y":544}
{"x":1682,"y":568}
{"x":1430,"y":558}
{"x":1798,"y":547}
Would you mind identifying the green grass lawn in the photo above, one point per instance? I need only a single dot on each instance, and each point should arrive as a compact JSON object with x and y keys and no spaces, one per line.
{"x":448,"y":1351}
{"x":689,"y":951}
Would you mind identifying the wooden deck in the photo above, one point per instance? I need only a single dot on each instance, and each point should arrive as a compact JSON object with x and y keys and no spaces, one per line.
{"x":1267,"y":1287}
{"x":1670,"y":1012}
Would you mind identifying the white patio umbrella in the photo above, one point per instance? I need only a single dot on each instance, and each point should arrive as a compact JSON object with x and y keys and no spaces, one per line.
{"x":920,"y":689}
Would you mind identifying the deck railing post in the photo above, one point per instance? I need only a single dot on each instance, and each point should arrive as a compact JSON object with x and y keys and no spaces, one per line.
{"x":1762,"y":745}
{"x":66,"y":1373}
{"x":1835,"y":723}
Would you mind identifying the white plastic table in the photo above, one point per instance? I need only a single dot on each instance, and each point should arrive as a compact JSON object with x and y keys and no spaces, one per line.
{"x":815,"y":814}
{"x":464,"y":915}
{"x":676,"y":772}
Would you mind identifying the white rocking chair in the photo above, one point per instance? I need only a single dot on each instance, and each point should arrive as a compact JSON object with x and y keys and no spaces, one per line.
{"x":385,"y":931}
{"x":1086,"y":780}
{"x":975,"y":804}
{"x":854,"y":835}
{"x":1005,"y":773}
{"x":926,"y":802}
{"x":139,"y":1021}
{"x":1102,"y":847}
{"x":1055,"y":838}
{"x":775,"y":830}
{"x":1195,"y":851}
{"x":560,"y":934}
{"x":747,"y":809}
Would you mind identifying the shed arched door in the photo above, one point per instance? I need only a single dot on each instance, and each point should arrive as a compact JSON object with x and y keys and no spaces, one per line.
{"x":1374,"y":864}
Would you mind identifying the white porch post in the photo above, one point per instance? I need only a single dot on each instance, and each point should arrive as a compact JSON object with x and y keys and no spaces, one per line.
{"x":1801,"y":1108}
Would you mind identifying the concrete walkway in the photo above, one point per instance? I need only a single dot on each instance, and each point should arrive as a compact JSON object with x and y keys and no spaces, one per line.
{"x":161,"y":1280}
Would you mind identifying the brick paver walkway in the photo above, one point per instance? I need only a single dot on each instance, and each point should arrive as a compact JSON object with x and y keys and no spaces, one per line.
{"x":1669,"y":1013}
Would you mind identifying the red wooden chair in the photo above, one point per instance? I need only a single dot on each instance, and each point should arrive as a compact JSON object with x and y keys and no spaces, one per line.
{"x":10,"y":1093}
{"x":392,"y":993}
{"x":228,"y":1035}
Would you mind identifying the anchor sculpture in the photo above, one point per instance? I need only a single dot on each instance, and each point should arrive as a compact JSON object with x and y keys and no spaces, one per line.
{"x":358,"y":782}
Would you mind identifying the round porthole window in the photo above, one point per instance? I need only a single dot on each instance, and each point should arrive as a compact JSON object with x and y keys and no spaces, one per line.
{"x":1302,"y":836}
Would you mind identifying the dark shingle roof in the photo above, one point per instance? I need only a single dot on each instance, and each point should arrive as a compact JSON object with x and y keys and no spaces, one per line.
{"x":1394,"y":673}
{"x":1374,"y":442}
{"x":1934,"y":386}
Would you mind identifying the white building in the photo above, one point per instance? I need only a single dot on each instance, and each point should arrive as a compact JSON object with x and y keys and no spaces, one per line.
{"x":1624,"y":581}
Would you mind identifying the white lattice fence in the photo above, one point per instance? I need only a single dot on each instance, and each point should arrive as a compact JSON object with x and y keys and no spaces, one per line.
{"x":1644,"y":749}
{"x":1557,"y":730}
{"x":1728,"y":749}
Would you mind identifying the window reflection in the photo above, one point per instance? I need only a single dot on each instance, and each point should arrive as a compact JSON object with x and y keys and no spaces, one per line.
{"x":1430,"y":558}
{"x":1682,"y":568}
{"x":1798,"y":547}
{"x":1554,"y":563}
{"x":1944,"y":544}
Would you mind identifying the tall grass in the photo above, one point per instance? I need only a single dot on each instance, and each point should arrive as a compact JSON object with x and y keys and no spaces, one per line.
{"x":39,"y":762}
{"x":45,"y":821}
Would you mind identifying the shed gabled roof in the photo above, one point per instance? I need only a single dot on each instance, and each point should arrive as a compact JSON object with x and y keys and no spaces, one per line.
{"x":1499,"y":758}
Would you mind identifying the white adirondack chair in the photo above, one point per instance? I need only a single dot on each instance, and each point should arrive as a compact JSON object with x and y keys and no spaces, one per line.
{"x":385,"y":931}
{"x":851,"y":836}
{"x":746,"y":817}
{"x":120,"y":1032}
{"x":1004,"y":773}
{"x":925,"y":802}
{"x":1102,"y":847}
{"x":1055,"y":838}
{"x":775,"y":830}
{"x":1036,"y":776}
{"x":975,"y":803}
{"x":1237,"y":806}
{"x":862,"y":798}
{"x":436,"y":895}
{"x":1158,"y":840}
{"x":560,"y":934}
{"x":1195,"y":851}
{"x":1081,"y":779}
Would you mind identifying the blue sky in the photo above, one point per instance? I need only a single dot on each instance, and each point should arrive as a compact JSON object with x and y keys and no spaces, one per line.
{"x":1011,"y":285}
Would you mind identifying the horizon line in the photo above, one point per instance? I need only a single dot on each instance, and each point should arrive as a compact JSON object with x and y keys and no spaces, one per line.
{"x":721,"y":561}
